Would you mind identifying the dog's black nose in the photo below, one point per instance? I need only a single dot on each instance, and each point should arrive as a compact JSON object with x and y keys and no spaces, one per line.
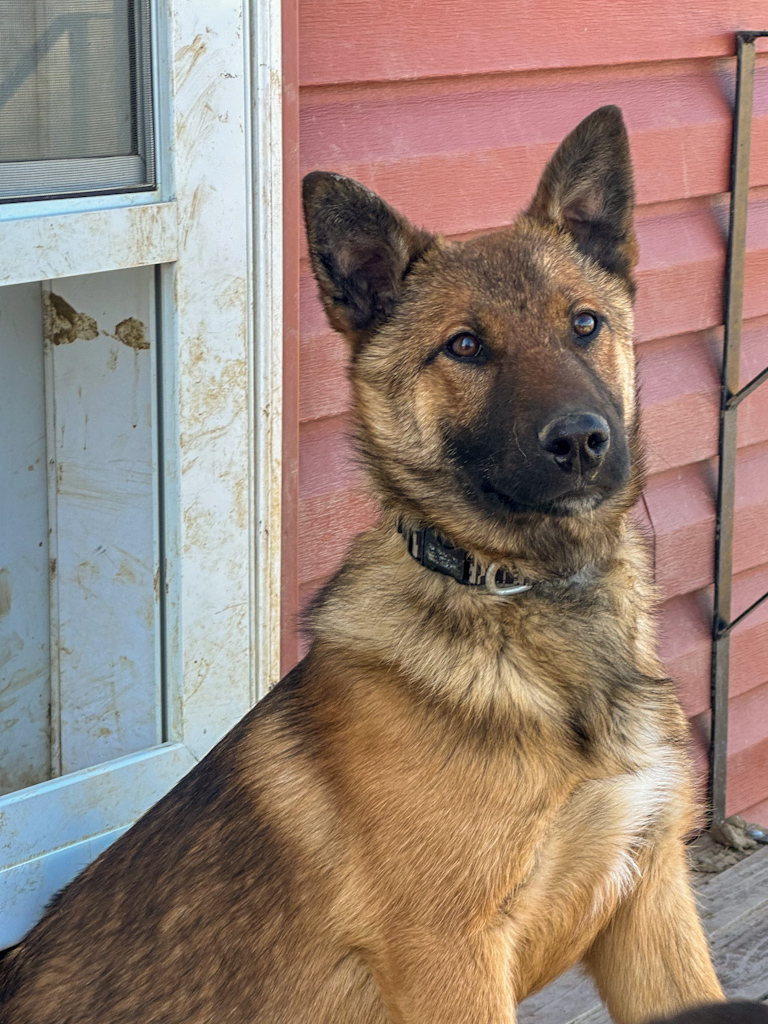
{"x":578,"y":441}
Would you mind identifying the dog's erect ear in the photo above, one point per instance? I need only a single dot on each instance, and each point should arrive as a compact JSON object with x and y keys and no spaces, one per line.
{"x":361,"y":250}
{"x":587,"y":189}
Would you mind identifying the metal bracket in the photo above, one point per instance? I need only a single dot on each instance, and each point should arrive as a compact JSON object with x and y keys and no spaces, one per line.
{"x":730,"y":399}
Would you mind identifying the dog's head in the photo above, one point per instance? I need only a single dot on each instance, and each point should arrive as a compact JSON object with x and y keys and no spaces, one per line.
{"x":494,"y":378}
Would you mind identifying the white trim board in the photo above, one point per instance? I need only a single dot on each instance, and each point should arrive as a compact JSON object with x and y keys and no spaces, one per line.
{"x":66,"y":244}
{"x":50,"y":832}
{"x":265,"y":93}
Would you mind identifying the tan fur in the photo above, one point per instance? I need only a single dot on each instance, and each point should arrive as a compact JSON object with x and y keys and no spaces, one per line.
{"x":455,"y":797}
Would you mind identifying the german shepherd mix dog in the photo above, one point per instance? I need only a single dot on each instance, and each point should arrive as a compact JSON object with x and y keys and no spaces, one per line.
{"x":478,"y":775}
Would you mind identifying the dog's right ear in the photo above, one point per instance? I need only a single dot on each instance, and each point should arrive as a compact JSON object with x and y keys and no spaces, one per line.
{"x":360,"y":248}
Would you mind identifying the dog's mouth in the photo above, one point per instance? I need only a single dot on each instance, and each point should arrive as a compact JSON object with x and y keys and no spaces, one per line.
{"x":580,"y":499}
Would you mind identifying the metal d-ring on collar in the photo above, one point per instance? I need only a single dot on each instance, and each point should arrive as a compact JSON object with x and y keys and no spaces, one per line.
{"x":502,"y":591}
{"x":435,"y":552}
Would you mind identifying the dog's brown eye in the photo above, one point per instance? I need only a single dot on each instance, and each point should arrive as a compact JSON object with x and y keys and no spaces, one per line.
{"x":585,"y":325}
{"x":464,"y":346}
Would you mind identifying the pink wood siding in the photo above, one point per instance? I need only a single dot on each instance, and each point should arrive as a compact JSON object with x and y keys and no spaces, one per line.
{"x":449,"y":110}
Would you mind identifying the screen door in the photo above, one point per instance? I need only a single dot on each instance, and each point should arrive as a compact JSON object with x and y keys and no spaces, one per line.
{"x":131,"y":363}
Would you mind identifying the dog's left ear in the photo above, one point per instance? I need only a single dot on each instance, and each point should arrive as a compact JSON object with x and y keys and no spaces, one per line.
{"x":587,"y":189}
{"x":361,"y":250}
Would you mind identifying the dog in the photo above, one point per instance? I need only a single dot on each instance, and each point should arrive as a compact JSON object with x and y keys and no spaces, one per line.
{"x":478,"y":776}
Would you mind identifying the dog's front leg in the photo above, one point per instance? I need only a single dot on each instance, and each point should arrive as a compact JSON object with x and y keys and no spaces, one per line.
{"x":652,"y":959}
{"x":447,"y":978}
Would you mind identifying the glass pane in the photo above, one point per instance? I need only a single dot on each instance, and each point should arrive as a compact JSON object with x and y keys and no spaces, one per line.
{"x":75,"y":96}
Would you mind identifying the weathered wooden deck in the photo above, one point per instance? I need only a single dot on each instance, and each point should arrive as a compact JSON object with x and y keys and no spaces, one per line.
{"x":734,"y":909}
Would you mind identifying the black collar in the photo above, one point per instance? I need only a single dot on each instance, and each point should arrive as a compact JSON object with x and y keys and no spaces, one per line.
{"x":435,"y":552}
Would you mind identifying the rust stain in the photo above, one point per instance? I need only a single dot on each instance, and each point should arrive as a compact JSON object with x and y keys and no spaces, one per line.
{"x":187,"y":56}
{"x":85,"y":576}
{"x":199,"y":526}
{"x":199,"y":120}
{"x":241,"y":497}
{"x":147,"y":612}
{"x":133,"y":333}
{"x":5,"y":591}
{"x":112,"y":361}
{"x":190,"y":221}
{"x":197,"y":351}
{"x":125,"y":573}
{"x":52,"y":567}
{"x":63,"y":324}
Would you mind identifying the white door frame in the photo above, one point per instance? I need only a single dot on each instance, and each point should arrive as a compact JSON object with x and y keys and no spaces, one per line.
{"x":214,"y":230}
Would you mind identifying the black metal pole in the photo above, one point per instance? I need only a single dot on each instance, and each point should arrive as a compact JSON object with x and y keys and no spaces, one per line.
{"x":726,"y":491}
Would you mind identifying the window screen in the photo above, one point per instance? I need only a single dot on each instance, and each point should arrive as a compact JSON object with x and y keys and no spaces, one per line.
{"x":75,"y":98}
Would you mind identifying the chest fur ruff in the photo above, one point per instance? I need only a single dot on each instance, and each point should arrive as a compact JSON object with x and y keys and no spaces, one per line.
{"x":590,"y":859}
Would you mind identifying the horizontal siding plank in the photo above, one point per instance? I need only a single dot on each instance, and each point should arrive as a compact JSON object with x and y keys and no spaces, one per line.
{"x":679,"y":502}
{"x":685,"y":632}
{"x":679,"y":381}
{"x":747,"y":764}
{"x":679,"y":292}
{"x":747,"y":748}
{"x":348,"y":41}
{"x":323,"y":386}
{"x":327,"y":462}
{"x":757,"y":813}
{"x":681,"y":269}
{"x":680,"y":390}
{"x":327,"y":526}
{"x":746,"y":723}
{"x":679,"y":386}
{"x":681,"y":506}
{"x":465,"y":155}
